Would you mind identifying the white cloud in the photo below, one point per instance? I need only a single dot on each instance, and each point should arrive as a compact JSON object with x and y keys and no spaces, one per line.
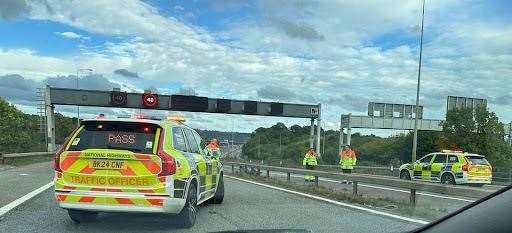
{"x":133,"y":18}
{"x":343,"y":71}
{"x":72,"y":35}
{"x":29,"y":64}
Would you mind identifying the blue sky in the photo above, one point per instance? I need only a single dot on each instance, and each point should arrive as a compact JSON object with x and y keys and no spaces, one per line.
{"x":339,"y":53}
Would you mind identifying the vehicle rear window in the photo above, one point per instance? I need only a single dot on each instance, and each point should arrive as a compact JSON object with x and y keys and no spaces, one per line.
{"x":475,"y":160}
{"x":133,"y":136}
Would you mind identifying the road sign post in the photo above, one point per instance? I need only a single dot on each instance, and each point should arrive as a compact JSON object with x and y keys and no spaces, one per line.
{"x":349,"y":130}
{"x":318,"y":130}
{"x":311,"y":133}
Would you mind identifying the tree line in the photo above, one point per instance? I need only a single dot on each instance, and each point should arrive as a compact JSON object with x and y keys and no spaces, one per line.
{"x":471,"y":130}
{"x":19,"y":132}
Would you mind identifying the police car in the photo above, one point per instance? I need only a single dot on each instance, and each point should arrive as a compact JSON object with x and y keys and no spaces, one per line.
{"x":135,"y":165}
{"x":449,"y":167}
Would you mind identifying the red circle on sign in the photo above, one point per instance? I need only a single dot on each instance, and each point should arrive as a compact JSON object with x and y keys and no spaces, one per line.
{"x":150,"y":100}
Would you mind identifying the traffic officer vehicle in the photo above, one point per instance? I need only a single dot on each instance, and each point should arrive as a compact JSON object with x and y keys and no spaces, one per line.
{"x":449,"y":167}
{"x":135,"y":165}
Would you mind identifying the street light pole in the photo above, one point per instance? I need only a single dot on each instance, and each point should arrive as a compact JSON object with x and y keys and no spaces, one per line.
{"x":415,"y":138}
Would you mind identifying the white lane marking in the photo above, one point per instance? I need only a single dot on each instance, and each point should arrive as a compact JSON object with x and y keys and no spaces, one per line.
{"x":396,"y":190}
{"x":333,"y":202}
{"x":23,"y":199}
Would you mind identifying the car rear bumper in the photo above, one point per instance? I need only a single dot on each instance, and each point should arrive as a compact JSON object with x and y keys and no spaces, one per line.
{"x":108,"y":202}
{"x":475,"y":180}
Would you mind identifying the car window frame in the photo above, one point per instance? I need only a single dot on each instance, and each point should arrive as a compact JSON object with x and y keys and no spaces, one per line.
{"x":445,"y":158}
{"x":185,"y":130}
{"x":198,"y":137}
{"x":184,"y":137}
{"x":456,"y":156}
{"x":432,"y":155}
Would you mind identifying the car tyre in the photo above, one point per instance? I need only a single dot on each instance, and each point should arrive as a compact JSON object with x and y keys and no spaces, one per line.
{"x":79,"y":216}
{"x":219,"y":193}
{"x":448,"y":179}
{"x":404,"y":175}
{"x":188,"y":214}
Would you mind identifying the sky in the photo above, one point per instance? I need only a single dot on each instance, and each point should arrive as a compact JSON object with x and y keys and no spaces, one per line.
{"x":342,"y":54}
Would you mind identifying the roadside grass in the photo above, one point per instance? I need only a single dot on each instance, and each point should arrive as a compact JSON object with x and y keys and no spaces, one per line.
{"x":345,"y":195}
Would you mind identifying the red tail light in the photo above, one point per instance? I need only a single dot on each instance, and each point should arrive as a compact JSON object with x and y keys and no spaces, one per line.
{"x":168,"y":162}
{"x":466,"y":167}
{"x":56,"y":158}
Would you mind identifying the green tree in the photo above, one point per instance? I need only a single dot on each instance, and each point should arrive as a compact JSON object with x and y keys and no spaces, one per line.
{"x":477,"y":131}
{"x":19,"y":132}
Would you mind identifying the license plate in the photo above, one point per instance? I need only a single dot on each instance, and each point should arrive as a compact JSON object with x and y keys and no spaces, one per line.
{"x":108,"y":164}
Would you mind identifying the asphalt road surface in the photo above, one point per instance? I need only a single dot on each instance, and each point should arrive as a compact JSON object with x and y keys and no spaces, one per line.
{"x":437,"y":205}
{"x":246,"y":206}
{"x":18,"y":181}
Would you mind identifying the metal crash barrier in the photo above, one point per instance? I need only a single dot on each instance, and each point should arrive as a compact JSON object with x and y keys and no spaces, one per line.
{"x":5,"y":157}
{"x":413,"y":186}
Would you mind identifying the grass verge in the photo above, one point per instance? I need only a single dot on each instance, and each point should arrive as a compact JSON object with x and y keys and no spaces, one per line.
{"x":345,"y":195}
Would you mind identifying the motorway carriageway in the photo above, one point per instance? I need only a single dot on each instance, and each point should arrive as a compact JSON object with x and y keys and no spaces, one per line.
{"x":27,"y":205}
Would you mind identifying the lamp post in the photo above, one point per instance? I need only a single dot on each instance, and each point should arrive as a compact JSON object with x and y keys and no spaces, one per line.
{"x":415,"y":138}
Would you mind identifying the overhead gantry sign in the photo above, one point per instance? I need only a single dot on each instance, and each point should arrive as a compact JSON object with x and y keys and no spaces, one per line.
{"x":119,"y":99}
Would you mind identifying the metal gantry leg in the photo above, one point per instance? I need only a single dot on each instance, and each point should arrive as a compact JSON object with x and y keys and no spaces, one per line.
{"x":50,"y":120}
{"x":312,"y":133}
{"x":349,"y":130}
{"x":318,"y":130}
{"x":341,"y":140}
